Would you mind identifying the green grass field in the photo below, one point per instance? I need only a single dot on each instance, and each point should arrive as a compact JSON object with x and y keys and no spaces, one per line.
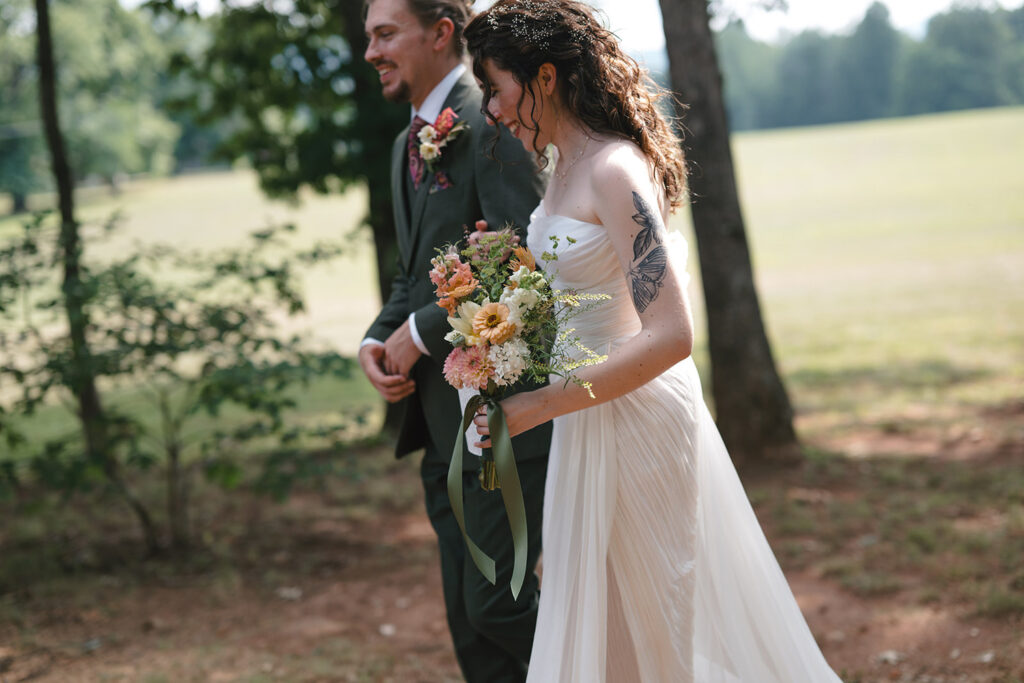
{"x":890,"y":262}
{"x":889,"y":256}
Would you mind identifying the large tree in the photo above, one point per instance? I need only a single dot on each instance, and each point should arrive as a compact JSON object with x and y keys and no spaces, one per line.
{"x":750,"y":68}
{"x":21,"y":137}
{"x":969,"y":58}
{"x":80,"y":377}
{"x":753,"y":410}
{"x":305,"y":108}
{"x":807,"y":87}
{"x":867,"y":67}
{"x":111,"y":59}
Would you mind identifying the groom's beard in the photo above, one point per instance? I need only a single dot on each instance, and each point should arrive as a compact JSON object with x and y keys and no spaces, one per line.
{"x":401,"y":94}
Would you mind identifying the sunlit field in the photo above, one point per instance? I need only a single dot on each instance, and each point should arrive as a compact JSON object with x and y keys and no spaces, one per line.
{"x":890,"y":261}
{"x":889,"y":257}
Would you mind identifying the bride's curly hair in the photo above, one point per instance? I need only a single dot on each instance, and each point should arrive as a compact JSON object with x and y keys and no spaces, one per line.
{"x":600,"y":84}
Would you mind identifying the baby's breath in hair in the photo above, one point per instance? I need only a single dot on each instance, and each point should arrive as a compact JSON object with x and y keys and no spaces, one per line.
{"x":598,"y":83}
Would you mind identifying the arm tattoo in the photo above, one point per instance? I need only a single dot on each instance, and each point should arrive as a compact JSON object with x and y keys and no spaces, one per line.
{"x":648,"y":275}
{"x":648,"y":222}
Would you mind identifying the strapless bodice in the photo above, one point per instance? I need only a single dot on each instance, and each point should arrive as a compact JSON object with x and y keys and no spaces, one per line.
{"x":586,"y":263}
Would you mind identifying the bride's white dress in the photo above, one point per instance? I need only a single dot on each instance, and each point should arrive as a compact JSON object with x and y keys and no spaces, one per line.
{"x":655,"y":567}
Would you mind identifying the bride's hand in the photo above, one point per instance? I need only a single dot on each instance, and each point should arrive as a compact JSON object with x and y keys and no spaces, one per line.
{"x":479,"y":229}
{"x":517,"y":418}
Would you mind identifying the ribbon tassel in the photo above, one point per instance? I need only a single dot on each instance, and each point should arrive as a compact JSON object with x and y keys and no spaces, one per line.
{"x":511,"y":491}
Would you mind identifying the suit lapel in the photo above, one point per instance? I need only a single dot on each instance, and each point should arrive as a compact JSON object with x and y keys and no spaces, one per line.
{"x":419,"y":200}
{"x":456,"y":100}
{"x":400,"y":197}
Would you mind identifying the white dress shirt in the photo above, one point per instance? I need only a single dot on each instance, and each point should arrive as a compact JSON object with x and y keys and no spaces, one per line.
{"x":428,"y":111}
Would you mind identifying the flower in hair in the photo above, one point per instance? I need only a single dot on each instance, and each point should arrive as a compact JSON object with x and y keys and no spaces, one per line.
{"x":539,"y":34}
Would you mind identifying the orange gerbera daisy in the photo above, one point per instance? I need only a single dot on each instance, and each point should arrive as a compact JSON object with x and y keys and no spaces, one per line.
{"x":491,"y":323}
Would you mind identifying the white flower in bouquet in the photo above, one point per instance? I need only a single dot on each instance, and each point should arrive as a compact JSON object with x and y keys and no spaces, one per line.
{"x":509,"y":360}
{"x":519,"y":301}
{"x":462,"y":322}
{"x":528,"y":279}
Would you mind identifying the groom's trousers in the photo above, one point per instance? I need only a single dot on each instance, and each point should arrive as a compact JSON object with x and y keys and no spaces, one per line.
{"x":492,"y":633}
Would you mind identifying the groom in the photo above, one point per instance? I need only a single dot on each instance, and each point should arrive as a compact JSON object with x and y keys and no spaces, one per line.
{"x":417,"y":48}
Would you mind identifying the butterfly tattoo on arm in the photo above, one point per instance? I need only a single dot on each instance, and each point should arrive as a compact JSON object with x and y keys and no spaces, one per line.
{"x":648,"y":274}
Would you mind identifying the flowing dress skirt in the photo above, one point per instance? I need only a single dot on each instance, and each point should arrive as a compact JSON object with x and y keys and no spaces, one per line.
{"x":655,"y":567}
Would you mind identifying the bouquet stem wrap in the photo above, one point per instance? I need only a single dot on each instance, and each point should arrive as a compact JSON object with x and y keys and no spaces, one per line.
{"x":511,"y":490}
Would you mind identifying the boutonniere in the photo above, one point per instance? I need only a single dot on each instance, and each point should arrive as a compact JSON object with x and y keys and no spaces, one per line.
{"x":434,"y":138}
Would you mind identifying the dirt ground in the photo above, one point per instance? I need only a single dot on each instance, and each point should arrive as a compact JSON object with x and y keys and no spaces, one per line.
{"x":335,"y":588}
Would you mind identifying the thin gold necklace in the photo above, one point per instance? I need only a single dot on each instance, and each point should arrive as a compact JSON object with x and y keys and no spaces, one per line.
{"x":561,"y":176}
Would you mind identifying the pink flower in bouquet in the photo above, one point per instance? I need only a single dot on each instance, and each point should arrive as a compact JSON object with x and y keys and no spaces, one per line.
{"x":443,"y":265}
{"x":468,"y":367}
{"x":480,"y":244}
{"x":453,"y":280}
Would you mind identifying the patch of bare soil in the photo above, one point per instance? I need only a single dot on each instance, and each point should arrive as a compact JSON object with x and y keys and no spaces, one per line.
{"x":316,"y":592}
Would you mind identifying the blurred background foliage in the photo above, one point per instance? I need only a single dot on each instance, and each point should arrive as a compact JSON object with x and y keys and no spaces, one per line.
{"x":890,"y":255}
{"x":969,"y":57}
{"x":162,"y":90}
{"x":159,"y":90}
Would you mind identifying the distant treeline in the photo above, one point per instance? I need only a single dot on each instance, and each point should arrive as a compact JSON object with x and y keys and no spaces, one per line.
{"x":135,"y":96}
{"x":968,"y":58}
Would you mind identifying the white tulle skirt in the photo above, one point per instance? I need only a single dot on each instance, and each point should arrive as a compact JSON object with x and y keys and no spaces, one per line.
{"x":655,"y":567}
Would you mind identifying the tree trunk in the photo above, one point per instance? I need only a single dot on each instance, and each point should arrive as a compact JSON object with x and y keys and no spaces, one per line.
{"x":753,"y":410}
{"x":177,"y":476}
{"x":177,"y":500}
{"x":381,"y":120}
{"x":19,"y":203}
{"x":80,"y":379}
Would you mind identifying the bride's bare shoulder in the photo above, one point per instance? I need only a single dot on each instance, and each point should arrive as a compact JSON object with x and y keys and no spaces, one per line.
{"x":618,"y":164}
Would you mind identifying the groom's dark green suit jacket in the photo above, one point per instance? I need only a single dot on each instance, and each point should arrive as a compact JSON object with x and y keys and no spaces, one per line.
{"x":498,"y":187}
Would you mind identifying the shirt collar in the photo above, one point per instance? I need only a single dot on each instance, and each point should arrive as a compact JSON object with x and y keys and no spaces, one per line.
{"x":431,"y":107}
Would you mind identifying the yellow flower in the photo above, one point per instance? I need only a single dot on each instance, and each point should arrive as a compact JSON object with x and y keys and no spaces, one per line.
{"x":491,"y":323}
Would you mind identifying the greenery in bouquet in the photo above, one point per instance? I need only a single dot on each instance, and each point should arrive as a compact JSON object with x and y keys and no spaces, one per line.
{"x":505,"y":316}
{"x":505,"y":319}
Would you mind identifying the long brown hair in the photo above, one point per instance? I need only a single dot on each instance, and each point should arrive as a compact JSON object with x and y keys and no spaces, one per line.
{"x":600,"y":84}
{"x":429,"y":12}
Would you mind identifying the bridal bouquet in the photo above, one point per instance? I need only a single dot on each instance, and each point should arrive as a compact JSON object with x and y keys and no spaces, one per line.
{"x":505,"y":319}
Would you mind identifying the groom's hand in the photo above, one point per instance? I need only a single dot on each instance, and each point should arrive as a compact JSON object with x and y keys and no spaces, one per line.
{"x":400,"y":351}
{"x":393,"y":387}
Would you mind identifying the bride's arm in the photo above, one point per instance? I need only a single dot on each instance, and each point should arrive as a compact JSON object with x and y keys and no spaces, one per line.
{"x":625,"y":202}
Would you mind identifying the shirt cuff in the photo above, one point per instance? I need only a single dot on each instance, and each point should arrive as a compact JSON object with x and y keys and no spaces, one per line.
{"x":416,"y":339}
{"x":371,"y":341}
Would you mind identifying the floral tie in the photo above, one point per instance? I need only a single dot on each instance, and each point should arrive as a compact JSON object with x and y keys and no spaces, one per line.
{"x":416,"y":165}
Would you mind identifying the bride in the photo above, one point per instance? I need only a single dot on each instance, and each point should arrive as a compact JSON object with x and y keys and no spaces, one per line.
{"x":655,"y":567}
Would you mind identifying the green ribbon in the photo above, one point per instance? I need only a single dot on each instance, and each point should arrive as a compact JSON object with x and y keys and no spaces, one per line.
{"x":511,"y":490}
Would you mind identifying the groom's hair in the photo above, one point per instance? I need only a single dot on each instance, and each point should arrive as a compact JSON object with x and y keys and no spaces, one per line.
{"x":429,"y":12}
